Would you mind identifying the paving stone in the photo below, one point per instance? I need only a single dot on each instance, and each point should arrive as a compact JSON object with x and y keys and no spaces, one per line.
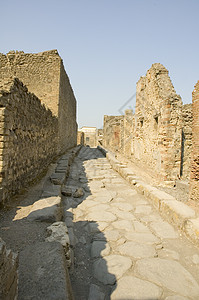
{"x":46,"y":210}
{"x":141,"y":237}
{"x":151,"y":218}
{"x":169,"y":274}
{"x":99,"y":207}
{"x":122,"y":206}
{"x":195,"y":259}
{"x":130,"y":287}
{"x":123,"y":224}
{"x":139,"y":227}
{"x":95,"y":293}
{"x":94,"y":227}
{"x":164,"y":230}
{"x":78,"y":193}
{"x":110,"y":268}
{"x":86,"y":204}
{"x":99,"y":248}
{"x":101,"y":216}
{"x":125,"y":215}
{"x":137,"y":250}
{"x":119,"y":199}
{"x":168,"y":254}
{"x":143,"y":209}
{"x":57,"y":178}
{"x":112,"y":235}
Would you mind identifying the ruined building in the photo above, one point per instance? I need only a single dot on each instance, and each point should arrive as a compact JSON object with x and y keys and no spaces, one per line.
{"x":194,"y":178}
{"x":158,"y":135}
{"x":37,"y":116}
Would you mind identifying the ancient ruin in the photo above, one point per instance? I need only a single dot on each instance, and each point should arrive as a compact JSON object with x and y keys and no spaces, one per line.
{"x":93,"y":225}
{"x":194,"y":180}
{"x":158,"y":135}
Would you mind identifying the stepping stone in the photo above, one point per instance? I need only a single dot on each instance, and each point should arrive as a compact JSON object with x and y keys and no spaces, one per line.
{"x":110,"y":268}
{"x":164,"y":230}
{"x":169,"y":274}
{"x":130,"y":287}
{"x":137,"y":250}
{"x":101,"y":216}
{"x":46,"y":210}
{"x":141,"y":237}
{"x":99,"y":248}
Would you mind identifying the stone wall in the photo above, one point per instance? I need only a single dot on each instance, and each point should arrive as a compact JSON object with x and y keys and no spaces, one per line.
{"x":28,"y":137}
{"x":113,"y":133}
{"x":158,"y":124}
{"x":8,"y":273}
{"x":152,"y":136}
{"x":194,"y":178}
{"x":80,"y":138}
{"x":44,"y":75}
{"x":186,"y":141}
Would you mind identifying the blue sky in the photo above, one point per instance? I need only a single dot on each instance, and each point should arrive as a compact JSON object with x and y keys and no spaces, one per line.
{"x":106,"y":45}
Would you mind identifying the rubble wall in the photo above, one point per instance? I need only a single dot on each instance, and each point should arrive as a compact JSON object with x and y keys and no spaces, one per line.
{"x":113,"y":133}
{"x":186,"y":141}
{"x":28,"y":137}
{"x":44,"y":75}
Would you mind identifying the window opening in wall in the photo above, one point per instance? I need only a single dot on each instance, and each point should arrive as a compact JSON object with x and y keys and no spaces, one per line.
{"x":87,"y":139}
{"x":156,"y":120}
{"x":141,"y":123}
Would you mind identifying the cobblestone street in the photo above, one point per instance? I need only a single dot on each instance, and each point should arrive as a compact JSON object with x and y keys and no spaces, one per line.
{"x":123,"y":248}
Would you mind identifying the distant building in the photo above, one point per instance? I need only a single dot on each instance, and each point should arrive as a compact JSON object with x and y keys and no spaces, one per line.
{"x":89,"y":137}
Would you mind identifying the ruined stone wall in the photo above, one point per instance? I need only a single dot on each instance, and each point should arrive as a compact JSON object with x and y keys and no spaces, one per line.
{"x":186,"y":141}
{"x":128,"y":132}
{"x":8,"y":273}
{"x":28,"y":137}
{"x":44,"y":75}
{"x":113,"y":133}
{"x":158,"y":124}
{"x":194,"y":178}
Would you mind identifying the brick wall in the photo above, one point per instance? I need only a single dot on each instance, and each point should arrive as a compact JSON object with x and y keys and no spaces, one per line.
{"x":44,"y":75}
{"x":28,"y":137}
{"x":194,"y":178}
{"x":8,"y":273}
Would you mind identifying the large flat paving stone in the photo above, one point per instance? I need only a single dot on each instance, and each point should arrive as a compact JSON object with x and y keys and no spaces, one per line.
{"x":164,"y":230}
{"x":130,"y":287}
{"x":142,"y":237}
{"x":43,"y":273}
{"x":110,"y":268}
{"x":137,"y":250}
{"x":169,"y":274}
{"x":46,"y":210}
{"x":123,"y":224}
{"x":101,"y":216}
{"x":99,"y":248}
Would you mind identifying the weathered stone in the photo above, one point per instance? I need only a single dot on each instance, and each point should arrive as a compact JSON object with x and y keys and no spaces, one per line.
{"x":46,"y":210}
{"x":94,"y":227}
{"x":57,"y":178}
{"x":123,"y":224}
{"x":110,"y":268}
{"x":58,"y":232}
{"x":165,"y":272}
{"x":143,"y":209}
{"x":78,"y":193}
{"x":122,"y":206}
{"x":137,"y":250}
{"x":130,"y":287}
{"x":66,"y":191}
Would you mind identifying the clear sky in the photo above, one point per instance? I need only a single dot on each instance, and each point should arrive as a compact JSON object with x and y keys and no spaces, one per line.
{"x":106,"y":45}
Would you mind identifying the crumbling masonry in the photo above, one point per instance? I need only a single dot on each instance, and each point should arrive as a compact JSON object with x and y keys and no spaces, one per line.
{"x":158,"y":136}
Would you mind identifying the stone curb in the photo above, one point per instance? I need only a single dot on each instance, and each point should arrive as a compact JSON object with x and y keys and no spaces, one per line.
{"x":176,"y":212}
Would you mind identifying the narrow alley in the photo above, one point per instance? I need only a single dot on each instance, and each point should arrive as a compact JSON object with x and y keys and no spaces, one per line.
{"x":123,"y":249}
